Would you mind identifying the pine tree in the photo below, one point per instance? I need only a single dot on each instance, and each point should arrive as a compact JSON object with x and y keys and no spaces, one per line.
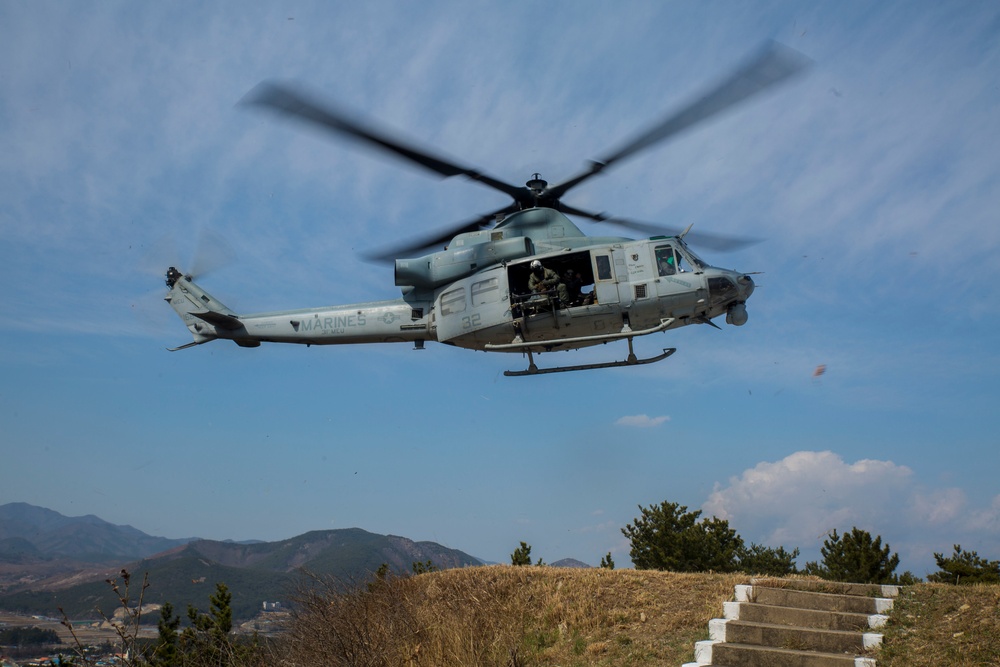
{"x":421,"y":567}
{"x":166,"y":653}
{"x":521,"y":555}
{"x":856,"y":557}
{"x":207,"y":640}
{"x":965,"y":567}
{"x":668,"y":537}
{"x":767,"y":561}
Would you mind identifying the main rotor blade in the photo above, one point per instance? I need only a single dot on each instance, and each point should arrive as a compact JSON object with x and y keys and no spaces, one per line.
{"x":437,"y":239}
{"x":776,"y":63}
{"x":719,"y":242}
{"x":285,"y":100}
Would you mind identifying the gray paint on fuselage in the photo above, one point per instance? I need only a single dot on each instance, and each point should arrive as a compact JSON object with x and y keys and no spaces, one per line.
{"x":373,"y":322}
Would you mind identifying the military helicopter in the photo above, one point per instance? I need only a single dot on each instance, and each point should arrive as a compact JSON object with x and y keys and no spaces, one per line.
{"x":524,"y":278}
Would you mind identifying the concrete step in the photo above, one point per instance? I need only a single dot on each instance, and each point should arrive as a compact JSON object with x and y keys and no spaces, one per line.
{"x":806,"y":618}
{"x":797,"y":623}
{"x":745,"y":655}
{"x":787,"y":597}
{"x":823,"y":586}
{"x":805,"y":639}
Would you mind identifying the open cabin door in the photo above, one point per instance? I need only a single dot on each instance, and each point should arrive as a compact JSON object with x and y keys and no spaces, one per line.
{"x":576,"y":279}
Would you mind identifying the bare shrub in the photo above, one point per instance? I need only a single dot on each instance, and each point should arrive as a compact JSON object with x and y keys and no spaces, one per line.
{"x":338,"y":624}
{"x":507,"y":617}
{"x":476,"y":616}
{"x":426,"y":620}
{"x":130,"y":610}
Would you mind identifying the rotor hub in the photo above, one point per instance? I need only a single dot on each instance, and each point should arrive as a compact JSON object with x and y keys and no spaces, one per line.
{"x":173,"y":275}
{"x":537,"y":184}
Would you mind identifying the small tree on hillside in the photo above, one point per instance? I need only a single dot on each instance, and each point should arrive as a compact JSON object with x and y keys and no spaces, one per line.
{"x":420,"y":567}
{"x":379,"y":577}
{"x":720,"y":546}
{"x":856,"y":557}
{"x":521,"y":555}
{"x":668,"y":537}
{"x":965,"y":567}
{"x":166,"y":653}
{"x":207,"y":641}
{"x":758,"y":559}
{"x":607,"y":563}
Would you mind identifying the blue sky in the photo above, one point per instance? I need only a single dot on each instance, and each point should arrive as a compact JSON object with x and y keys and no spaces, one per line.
{"x":875,"y":181}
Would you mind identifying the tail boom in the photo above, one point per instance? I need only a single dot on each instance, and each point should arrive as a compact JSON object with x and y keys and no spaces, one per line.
{"x":209,"y":319}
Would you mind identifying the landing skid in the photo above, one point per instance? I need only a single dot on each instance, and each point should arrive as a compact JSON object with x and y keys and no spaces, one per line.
{"x":632,"y":360}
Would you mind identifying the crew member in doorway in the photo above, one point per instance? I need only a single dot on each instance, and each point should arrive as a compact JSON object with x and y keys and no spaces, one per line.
{"x":573,"y":283}
{"x":574,"y":286}
{"x":544,"y":280}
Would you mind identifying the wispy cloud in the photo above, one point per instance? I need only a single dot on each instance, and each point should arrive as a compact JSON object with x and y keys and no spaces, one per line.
{"x":641,"y":421}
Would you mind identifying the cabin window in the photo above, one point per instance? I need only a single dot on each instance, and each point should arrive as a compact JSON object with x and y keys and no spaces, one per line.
{"x":485,"y":291}
{"x":453,"y":301}
{"x":603,"y":267}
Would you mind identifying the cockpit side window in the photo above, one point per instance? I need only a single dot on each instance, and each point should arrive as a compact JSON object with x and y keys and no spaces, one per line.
{"x":666,"y":260}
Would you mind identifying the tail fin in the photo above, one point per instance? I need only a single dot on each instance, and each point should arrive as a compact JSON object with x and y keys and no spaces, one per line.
{"x":206,"y":317}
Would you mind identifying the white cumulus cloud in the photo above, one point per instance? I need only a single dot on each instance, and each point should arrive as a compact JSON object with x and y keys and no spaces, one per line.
{"x":641,"y":421}
{"x":799,"y":500}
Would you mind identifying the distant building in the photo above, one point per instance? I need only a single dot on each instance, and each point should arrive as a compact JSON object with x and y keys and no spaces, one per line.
{"x":272,"y":606}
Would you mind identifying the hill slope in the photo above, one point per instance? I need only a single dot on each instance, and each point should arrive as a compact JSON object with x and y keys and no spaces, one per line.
{"x":254,"y":573}
{"x":940,"y":624}
{"x":342,"y":553}
{"x":515,"y":615}
{"x":28,"y":531}
{"x":588,"y":618}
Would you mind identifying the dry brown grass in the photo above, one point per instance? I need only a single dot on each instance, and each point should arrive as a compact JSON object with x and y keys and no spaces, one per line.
{"x":938,"y":624}
{"x":501,"y":615}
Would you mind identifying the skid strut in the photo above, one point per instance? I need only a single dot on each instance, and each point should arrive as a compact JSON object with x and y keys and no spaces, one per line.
{"x":627,"y":333}
{"x":632,"y":360}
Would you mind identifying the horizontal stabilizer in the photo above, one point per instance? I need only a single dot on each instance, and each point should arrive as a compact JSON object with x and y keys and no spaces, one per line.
{"x":220,"y":320}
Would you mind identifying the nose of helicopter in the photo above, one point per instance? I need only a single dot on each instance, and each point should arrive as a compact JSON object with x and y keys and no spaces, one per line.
{"x":736,"y":314}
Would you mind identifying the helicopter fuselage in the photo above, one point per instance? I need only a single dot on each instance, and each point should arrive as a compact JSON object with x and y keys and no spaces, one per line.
{"x":476,"y":295}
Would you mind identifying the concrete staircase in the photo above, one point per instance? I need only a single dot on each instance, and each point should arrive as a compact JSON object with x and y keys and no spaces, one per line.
{"x":797,"y":623}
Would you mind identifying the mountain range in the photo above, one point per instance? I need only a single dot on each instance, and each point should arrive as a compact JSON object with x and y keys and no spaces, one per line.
{"x":28,"y":532}
{"x":49,"y":561}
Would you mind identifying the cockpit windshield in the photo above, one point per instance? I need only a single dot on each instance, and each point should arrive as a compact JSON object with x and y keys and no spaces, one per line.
{"x":698,"y":262}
